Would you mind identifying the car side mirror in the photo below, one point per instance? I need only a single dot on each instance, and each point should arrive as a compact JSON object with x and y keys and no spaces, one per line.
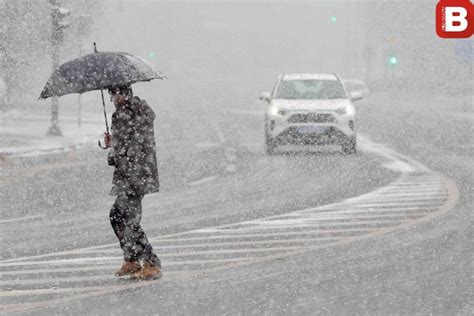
{"x":265,"y":96}
{"x":356,"y":96}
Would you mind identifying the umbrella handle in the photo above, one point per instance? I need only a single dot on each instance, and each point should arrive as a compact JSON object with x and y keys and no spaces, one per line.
{"x":107,"y":139}
{"x":105,"y":114}
{"x":100,"y":145}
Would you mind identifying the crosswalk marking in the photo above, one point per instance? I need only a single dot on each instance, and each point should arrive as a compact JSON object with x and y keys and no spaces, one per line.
{"x":112,"y":267}
{"x":417,"y":195}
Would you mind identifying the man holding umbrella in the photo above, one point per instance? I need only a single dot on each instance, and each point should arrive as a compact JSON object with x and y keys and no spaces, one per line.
{"x":132,"y":143}
{"x":133,"y":153}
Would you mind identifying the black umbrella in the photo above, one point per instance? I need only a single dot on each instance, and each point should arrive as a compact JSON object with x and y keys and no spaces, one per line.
{"x":98,"y":71}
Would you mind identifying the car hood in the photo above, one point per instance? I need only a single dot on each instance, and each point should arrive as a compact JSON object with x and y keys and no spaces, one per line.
{"x":311,"y":105}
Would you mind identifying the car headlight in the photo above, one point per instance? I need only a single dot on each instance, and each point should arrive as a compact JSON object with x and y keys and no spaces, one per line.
{"x":274,"y":110}
{"x":348,"y":110}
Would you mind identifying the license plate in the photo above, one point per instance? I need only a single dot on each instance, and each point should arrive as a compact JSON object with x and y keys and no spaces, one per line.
{"x":311,"y":130}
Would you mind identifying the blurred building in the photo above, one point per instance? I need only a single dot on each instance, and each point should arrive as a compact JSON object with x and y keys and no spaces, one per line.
{"x":402,"y":45}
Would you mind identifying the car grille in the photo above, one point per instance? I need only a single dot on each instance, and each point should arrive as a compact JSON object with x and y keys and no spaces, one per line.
{"x":312,"y":118}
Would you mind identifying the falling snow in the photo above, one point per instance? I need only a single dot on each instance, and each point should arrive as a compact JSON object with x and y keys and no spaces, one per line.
{"x":273,"y":157}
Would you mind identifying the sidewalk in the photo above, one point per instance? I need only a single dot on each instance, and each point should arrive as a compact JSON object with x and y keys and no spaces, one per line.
{"x":24,"y":133}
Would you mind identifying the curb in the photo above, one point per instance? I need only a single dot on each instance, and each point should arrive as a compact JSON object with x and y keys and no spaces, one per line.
{"x":5,"y":156}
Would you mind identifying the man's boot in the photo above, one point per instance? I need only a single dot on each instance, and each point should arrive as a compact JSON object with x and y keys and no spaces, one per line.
{"x":128,"y":268}
{"x":148,"y":272}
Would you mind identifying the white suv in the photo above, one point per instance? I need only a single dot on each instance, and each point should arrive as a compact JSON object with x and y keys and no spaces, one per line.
{"x":310,"y":109}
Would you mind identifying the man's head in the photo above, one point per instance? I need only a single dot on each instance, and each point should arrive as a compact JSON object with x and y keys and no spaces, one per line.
{"x":120,"y":95}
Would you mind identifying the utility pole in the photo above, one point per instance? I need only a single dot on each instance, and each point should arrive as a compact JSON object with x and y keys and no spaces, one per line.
{"x":58,"y":26}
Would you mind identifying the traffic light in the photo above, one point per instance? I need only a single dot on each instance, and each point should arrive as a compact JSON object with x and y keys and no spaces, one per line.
{"x":333,"y":19}
{"x":393,"y":60}
{"x":58,"y":15}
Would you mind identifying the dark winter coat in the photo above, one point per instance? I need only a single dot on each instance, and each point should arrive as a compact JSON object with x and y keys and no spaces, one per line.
{"x":133,"y":150}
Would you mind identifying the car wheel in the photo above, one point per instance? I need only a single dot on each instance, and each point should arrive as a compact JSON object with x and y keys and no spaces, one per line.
{"x":350,"y":146}
{"x":270,"y":145}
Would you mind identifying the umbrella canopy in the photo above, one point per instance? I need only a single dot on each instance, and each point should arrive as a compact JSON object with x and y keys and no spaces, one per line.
{"x":100,"y":70}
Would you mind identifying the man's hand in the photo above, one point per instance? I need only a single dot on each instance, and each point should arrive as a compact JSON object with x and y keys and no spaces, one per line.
{"x":108,"y":140}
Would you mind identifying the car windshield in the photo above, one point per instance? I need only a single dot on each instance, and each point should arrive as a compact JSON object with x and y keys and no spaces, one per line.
{"x":310,"y":89}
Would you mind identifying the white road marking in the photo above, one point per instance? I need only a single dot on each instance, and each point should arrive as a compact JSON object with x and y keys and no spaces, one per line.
{"x":393,"y":204}
{"x":56,"y":280}
{"x":39,"y":292}
{"x":246,"y":251}
{"x":267,"y":235}
{"x":379,"y":210}
{"x":18,"y":219}
{"x":115,"y":267}
{"x":162,"y":249}
{"x":429,"y":194}
{"x":203,"y":180}
{"x":294,"y":225}
{"x":49,"y":291}
{"x":75,"y":261}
